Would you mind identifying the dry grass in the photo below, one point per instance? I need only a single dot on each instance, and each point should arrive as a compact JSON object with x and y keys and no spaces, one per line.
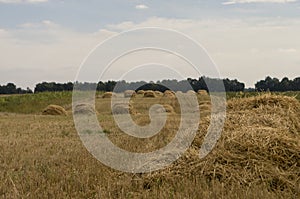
{"x":256,"y":157}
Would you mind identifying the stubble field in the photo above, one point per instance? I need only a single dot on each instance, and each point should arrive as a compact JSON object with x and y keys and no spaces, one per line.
{"x":257,"y":156}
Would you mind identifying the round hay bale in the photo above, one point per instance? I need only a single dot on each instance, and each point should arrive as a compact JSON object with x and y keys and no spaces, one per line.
{"x":84,"y":109}
{"x":129,"y":93}
{"x":169,"y":94}
{"x":191,"y":92}
{"x":158,"y":93}
{"x":122,"y":108}
{"x":140,"y":92}
{"x":149,"y":94}
{"x":202,"y":92}
{"x":54,"y":110}
{"x":108,"y":95}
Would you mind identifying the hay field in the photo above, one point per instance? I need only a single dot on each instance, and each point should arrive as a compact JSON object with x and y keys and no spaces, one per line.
{"x":258,"y":155}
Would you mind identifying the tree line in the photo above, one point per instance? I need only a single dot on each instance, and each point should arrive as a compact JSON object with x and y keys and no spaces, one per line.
{"x":274,"y":84}
{"x":121,"y":86}
{"x":11,"y":88}
{"x":268,"y":84}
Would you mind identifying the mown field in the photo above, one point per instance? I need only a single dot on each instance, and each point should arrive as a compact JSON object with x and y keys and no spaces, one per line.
{"x":257,"y":156}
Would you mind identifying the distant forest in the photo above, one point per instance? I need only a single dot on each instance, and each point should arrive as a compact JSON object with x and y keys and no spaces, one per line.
{"x":269,"y":84}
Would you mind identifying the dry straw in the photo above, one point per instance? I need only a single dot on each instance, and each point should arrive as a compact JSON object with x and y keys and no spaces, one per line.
{"x":54,"y":110}
{"x":191,"y":92}
{"x":84,"y":109}
{"x":140,"y":92}
{"x":158,"y":93}
{"x":129,"y":93}
{"x":202,"y":92}
{"x":123,"y":108}
{"x":149,"y":94}
{"x":260,"y":145}
{"x":169,"y":94}
{"x":108,"y":95}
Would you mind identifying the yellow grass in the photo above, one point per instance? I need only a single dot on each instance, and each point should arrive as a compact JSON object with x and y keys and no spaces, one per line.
{"x":256,"y":157}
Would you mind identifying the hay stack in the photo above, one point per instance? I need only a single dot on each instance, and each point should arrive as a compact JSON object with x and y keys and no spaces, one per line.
{"x":84,"y":109}
{"x":140,"y":92}
{"x":202,"y":92}
{"x":169,"y":94}
{"x":158,"y":93}
{"x":191,"y":92}
{"x":108,"y":95}
{"x":54,"y":110}
{"x":129,"y":93}
{"x":259,"y":146}
{"x":149,"y":94}
{"x":123,"y":108}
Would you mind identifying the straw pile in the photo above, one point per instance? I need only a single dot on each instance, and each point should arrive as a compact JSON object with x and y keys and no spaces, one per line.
{"x":149,"y":94}
{"x":108,"y":95}
{"x":84,"y":109}
{"x":140,"y":92}
{"x":169,"y":94}
{"x":191,"y":92}
{"x":260,"y":145}
{"x":129,"y":93}
{"x":123,"y":108}
{"x":158,"y":93}
{"x":202,"y":92}
{"x":54,"y":110}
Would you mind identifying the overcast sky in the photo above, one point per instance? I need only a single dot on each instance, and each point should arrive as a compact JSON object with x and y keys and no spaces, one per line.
{"x":47,"y":40}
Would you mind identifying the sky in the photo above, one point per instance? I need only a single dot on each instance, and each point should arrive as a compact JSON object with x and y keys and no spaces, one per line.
{"x":48,"y":40}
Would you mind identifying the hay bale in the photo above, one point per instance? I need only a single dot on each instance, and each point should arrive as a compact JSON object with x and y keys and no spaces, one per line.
{"x":149,"y":94}
{"x":129,"y":93}
{"x":158,"y":93}
{"x":169,"y":94}
{"x":123,"y":108}
{"x":84,"y":109}
{"x":202,"y":92}
{"x":54,"y":110}
{"x":140,"y":92}
{"x":108,"y":95}
{"x":191,"y":92}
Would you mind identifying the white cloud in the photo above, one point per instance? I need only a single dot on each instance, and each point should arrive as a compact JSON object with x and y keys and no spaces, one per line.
{"x":23,"y":1}
{"x":257,"y":1}
{"x":44,"y":51}
{"x":141,"y":7}
{"x":229,"y":3}
{"x":287,"y":50}
{"x":244,"y":49}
